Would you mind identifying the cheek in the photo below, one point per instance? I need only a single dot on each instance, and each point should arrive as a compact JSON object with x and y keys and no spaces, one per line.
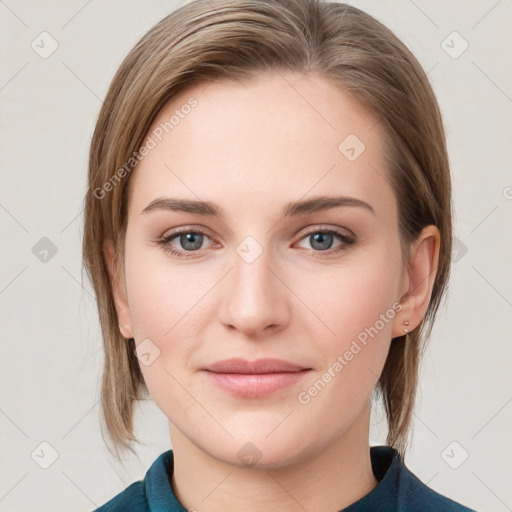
{"x":359,"y":314}
{"x":351,"y":298}
{"x":357,"y":304}
{"x":161,"y":307}
{"x":167,"y":308}
{"x":161,"y":294}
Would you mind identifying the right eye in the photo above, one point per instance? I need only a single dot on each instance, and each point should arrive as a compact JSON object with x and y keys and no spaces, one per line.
{"x":190,"y":240}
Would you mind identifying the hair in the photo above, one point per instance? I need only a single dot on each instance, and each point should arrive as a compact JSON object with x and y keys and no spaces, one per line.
{"x":237,"y":40}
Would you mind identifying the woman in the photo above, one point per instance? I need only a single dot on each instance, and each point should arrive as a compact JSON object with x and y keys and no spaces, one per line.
{"x":268,"y":233}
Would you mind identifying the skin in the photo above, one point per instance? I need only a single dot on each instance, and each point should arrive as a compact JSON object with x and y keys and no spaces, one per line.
{"x":251,"y":149}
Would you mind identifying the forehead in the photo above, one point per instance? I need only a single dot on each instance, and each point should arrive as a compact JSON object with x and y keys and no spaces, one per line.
{"x":278,"y":138}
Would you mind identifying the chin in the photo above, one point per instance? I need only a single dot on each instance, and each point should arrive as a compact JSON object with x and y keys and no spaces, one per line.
{"x":257,"y":452}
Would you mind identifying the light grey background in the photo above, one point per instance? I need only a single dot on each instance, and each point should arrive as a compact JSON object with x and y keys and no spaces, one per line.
{"x":51,"y":348}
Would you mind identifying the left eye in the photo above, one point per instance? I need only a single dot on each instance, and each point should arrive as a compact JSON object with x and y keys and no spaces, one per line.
{"x":322,"y":240}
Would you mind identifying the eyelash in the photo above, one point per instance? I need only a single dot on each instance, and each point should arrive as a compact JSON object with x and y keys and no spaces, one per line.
{"x":165,"y":241}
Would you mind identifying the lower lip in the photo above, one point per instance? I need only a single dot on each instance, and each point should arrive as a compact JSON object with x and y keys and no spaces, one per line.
{"x":255,"y":385}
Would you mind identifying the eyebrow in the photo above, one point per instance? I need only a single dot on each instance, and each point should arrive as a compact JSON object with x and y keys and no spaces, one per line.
{"x":296,"y":208}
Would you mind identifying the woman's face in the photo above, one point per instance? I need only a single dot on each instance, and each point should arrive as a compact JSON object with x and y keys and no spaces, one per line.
{"x":273,"y":273}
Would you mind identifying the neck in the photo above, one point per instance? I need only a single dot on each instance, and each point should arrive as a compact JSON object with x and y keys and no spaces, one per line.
{"x":330,"y":479}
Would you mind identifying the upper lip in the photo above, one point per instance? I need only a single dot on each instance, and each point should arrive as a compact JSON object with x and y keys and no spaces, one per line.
{"x":239,"y":365}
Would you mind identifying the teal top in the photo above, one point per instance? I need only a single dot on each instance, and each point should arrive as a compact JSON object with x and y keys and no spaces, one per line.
{"x":398,"y":489}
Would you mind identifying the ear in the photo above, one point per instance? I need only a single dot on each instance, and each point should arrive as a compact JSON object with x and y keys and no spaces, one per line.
{"x":418,"y":280}
{"x":118,"y":290}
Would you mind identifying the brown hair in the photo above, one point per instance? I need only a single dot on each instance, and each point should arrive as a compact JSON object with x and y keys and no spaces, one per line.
{"x":235,"y":40}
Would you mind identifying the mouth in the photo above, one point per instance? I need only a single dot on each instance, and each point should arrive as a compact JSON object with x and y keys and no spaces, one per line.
{"x":254,"y":379}
{"x":242,"y":366}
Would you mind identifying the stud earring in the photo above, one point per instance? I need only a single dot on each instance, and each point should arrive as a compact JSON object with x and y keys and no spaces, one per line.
{"x":407,"y":323}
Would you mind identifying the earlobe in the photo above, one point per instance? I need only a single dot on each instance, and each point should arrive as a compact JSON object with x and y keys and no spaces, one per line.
{"x":420,"y":279}
{"x":118,"y":290}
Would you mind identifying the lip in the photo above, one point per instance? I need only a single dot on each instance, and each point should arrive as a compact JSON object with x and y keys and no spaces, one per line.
{"x":254,"y":379}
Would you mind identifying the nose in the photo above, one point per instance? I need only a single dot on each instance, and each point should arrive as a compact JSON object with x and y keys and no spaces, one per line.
{"x":255,"y":298}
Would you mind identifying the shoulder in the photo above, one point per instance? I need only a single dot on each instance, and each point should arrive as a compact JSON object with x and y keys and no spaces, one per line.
{"x":149,"y":493}
{"x":416,"y":495}
{"x":132,"y":499}
{"x":400,"y":490}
